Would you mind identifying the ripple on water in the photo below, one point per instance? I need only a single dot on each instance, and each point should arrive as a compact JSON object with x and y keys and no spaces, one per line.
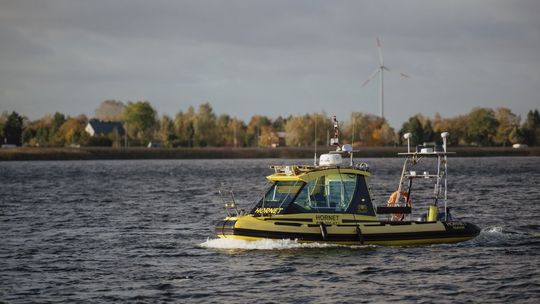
{"x":135,"y":231}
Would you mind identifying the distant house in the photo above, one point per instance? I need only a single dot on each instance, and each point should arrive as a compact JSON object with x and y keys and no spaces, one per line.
{"x":97,"y":127}
{"x":154,"y":144}
{"x":282,"y":136}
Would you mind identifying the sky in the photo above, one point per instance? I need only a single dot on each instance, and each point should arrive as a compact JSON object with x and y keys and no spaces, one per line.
{"x":270,"y":57}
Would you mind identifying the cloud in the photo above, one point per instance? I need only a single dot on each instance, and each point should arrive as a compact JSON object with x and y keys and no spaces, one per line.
{"x":269,"y":57}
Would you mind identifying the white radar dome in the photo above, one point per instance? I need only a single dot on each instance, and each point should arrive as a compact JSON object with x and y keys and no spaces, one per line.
{"x":330,"y":160}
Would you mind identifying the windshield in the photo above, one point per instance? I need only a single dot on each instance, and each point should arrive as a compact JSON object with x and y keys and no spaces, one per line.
{"x":330,"y":193}
{"x":278,"y":197}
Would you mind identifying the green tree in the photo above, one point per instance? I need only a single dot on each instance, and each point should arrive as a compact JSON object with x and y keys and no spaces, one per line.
{"x":13,"y":129}
{"x":531,"y":128}
{"x":429,"y":133}
{"x":279,"y":124}
{"x":413,"y":126}
{"x":481,"y":126}
{"x":55,"y":139}
{"x":3,"y":119}
{"x":515,"y":136}
{"x":205,"y":126}
{"x":140,"y":120}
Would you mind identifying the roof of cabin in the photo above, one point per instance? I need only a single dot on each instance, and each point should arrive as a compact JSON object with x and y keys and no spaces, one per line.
{"x":306,"y":174}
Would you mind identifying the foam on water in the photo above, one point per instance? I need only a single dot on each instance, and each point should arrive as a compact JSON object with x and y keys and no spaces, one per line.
{"x":266,"y":244}
{"x":488,"y":236}
{"x":496,"y":231}
{"x":492,"y":236}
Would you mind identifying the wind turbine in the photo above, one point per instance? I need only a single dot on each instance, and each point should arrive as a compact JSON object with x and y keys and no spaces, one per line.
{"x":380,"y":70}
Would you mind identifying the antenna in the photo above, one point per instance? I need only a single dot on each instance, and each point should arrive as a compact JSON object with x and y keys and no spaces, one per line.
{"x":334,"y":141}
{"x":352,"y":135}
{"x":315,"y":156}
{"x":353,"y":117}
{"x":380,"y":71}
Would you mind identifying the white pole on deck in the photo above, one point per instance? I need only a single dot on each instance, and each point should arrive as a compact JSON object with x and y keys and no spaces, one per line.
{"x":445,"y":135}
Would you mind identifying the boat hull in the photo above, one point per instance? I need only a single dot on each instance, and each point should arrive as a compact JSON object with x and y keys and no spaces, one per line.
{"x":356,"y":233}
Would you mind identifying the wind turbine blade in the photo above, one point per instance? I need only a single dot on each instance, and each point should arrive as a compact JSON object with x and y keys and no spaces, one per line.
{"x":379,"y":47}
{"x":371,"y":77}
{"x":404,"y":75}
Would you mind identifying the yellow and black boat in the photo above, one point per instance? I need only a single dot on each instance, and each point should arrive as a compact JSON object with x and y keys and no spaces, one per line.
{"x":331,"y":202}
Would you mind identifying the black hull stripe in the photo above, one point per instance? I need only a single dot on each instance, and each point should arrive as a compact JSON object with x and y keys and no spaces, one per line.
{"x":352,"y":237}
{"x":227,"y":228}
{"x":349,"y":237}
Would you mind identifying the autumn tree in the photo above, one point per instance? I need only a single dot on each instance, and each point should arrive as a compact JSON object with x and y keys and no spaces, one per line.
{"x":44,"y":131}
{"x":110,"y":110}
{"x":230,"y":131}
{"x":301,"y":130}
{"x":73,"y":131}
{"x":166,"y":133}
{"x":508,"y":123}
{"x":456,"y":126}
{"x":268,"y":136}
{"x":184,"y":128}
{"x":254,"y":127}
{"x":369,"y":130}
{"x":384,"y":136}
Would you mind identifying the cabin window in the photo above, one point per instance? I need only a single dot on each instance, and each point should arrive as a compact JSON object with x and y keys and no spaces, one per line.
{"x":331,"y":193}
{"x":278,"y":197}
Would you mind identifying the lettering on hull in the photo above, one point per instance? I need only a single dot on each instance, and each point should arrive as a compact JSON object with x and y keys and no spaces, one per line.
{"x":327,"y":219}
{"x":263,"y":211}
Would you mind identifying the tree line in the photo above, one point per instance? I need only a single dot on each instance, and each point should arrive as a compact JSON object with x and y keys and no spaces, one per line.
{"x":202,"y":127}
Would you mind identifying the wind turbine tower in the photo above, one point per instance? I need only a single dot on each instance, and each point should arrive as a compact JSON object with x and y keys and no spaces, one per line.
{"x":380,"y":70}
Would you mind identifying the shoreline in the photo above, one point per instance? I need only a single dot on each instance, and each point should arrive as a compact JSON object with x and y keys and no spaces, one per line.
{"x":105,"y":153}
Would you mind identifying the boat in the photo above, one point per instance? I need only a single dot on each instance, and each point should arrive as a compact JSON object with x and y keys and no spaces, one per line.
{"x":331,"y":202}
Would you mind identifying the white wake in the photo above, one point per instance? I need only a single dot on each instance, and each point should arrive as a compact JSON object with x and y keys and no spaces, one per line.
{"x":266,"y":244}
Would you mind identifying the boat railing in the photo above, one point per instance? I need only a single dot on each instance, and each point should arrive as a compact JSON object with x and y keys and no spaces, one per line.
{"x":227,"y":197}
{"x":412,"y":158}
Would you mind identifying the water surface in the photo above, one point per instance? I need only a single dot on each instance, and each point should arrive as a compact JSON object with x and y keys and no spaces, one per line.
{"x":142,"y":231}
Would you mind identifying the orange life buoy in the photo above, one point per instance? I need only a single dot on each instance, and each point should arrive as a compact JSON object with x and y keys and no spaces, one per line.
{"x":393,"y":201}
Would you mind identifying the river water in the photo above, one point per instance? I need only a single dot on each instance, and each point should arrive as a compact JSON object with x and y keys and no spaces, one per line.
{"x":142,"y":231}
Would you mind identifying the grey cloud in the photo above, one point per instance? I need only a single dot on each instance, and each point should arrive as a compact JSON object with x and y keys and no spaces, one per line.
{"x":269,"y":57}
